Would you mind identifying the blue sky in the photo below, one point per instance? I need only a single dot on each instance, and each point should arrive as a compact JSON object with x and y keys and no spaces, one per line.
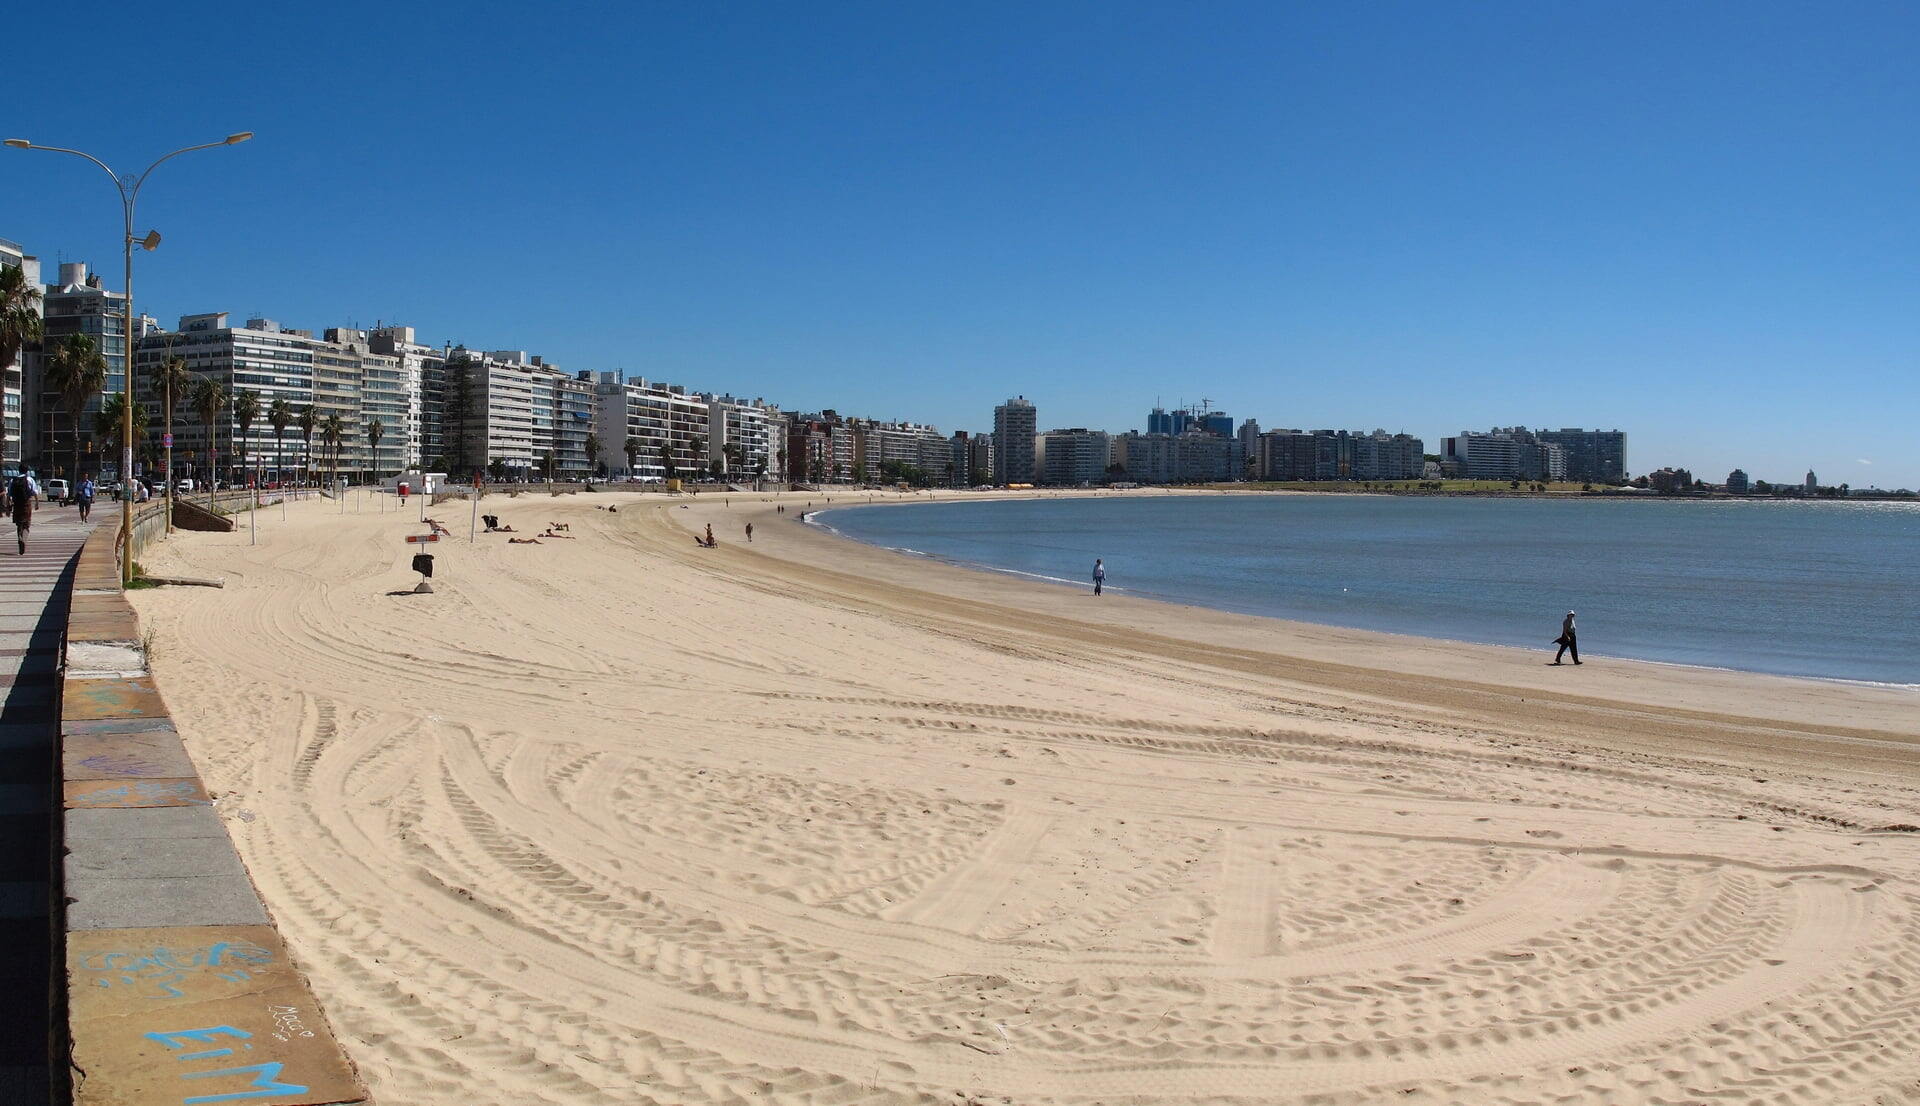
{"x":1695,"y":222}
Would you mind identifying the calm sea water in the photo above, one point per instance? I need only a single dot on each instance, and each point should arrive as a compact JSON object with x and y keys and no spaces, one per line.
{"x":1808,"y":589}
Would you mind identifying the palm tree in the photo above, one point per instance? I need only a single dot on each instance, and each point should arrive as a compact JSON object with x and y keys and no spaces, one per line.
{"x":174,"y":379}
{"x":279,"y":414}
{"x":19,"y":322}
{"x":76,"y":372}
{"x":593,"y":451}
{"x":633,"y":452}
{"x":246,"y":408}
{"x":108,"y":421}
{"x":208,"y":396}
{"x":375,"y":431}
{"x":307,"y":420}
{"x":332,"y":430}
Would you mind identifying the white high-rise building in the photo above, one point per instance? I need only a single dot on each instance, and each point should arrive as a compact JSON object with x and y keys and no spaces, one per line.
{"x":14,"y":374}
{"x":740,"y":437}
{"x":416,"y":363}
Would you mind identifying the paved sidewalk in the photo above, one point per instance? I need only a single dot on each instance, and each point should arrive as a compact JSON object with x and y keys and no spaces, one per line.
{"x":34,"y":597}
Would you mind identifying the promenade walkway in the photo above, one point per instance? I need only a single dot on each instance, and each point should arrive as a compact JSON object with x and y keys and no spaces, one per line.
{"x":34,"y":597}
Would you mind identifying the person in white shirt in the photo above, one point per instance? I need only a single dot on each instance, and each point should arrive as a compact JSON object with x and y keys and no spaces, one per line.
{"x":1567,"y":640}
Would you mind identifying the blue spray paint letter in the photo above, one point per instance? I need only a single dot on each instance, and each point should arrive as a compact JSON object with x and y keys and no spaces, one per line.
{"x":265,"y":1082}
{"x":203,"y":1036}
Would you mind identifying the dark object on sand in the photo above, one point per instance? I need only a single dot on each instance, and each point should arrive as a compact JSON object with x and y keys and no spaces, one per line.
{"x":423,"y":564}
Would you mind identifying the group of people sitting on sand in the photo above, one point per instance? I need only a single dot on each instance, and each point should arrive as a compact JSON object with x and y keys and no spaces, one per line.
{"x":707,"y":542}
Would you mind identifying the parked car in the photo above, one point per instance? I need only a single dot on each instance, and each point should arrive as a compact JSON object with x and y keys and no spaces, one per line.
{"x":182,"y":486}
{"x":55,"y":490}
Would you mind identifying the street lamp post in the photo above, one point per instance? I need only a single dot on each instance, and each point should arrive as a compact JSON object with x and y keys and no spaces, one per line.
{"x":129,"y":187}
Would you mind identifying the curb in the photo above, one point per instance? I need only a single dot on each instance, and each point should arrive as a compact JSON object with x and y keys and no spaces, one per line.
{"x":179,"y":990}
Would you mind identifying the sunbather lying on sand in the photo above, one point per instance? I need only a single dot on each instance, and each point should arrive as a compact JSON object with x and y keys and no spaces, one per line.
{"x":523,"y":541}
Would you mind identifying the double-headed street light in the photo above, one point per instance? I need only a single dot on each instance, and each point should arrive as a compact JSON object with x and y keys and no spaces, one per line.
{"x":129,"y":187}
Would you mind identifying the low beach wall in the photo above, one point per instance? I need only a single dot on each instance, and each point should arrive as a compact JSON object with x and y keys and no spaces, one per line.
{"x":177,"y":985}
{"x":150,"y":518}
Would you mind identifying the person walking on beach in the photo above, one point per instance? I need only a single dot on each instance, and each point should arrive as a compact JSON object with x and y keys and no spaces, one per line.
{"x":20,"y":495}
{"x":1567,"y":640}
{"x":749,"y":533}
{"x":1099,"y":575}
{"x":83,"y":495}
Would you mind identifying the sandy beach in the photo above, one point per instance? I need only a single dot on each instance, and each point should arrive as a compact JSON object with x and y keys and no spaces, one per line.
{"x":614,"y":819}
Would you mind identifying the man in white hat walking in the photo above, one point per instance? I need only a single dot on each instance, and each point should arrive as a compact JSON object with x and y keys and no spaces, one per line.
{"x":1567,"y":641}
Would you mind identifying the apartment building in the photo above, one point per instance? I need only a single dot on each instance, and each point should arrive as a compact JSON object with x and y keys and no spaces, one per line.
{"x":671,"y":430}
{"x":1074,"y":456}
{"x":1504,"y":453}
{"x":1015,"y":427}
{"x":879,"y":446}
{"x":1384,"y":456}
{"x":360,"y":387}
{"x":1592,"y":456}
{"x":572,"y":423}
{"x":1146,"y":458}
{"x":418,"y":366}
{"x":972,"y":458}
{"x":779,"y":426}
{"x":262,"y":357}
{"x":77,"y":304}
{"x":13,"y":256}
{"x":1193,"y":457}
{"x":820,"y":448}
{"x":740,"y":437}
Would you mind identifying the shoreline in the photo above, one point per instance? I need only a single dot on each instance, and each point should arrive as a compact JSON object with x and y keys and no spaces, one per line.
{"x":616,"y":817}
{"x":1888,"y":711}
{"x":1392,"y":637}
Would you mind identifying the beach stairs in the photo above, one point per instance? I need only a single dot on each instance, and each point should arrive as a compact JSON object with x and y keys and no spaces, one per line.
{"x":191,"y":516}
{"x":176,"y":984}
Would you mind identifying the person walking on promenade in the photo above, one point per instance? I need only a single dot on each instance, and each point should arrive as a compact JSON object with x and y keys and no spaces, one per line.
{"x":1567,"y":640}
{"x":20,"y":495}
{"x":83,"y":495}
{"x":1099,"y":575}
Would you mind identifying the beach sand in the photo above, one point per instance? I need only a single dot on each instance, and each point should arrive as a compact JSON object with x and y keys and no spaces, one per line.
{"x":621,"y":820}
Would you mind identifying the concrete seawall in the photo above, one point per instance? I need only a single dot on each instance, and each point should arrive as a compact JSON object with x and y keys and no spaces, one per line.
{"x":178,"y":988}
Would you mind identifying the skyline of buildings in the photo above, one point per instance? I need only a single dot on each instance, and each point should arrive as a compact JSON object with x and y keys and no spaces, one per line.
{"x":518,"y":417}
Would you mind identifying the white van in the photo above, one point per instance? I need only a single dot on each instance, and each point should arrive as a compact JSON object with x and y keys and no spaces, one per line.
{"x":54,"y":490}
